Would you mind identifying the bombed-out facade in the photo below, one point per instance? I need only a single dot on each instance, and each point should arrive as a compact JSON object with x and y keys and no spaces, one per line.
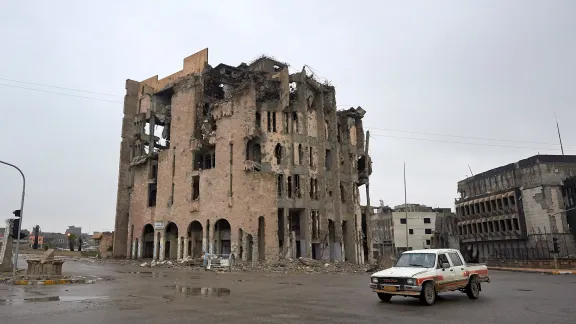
{"x":249,"y":161}
{"x":506,"y":208}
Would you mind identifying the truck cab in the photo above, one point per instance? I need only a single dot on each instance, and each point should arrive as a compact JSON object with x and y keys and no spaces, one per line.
{"x":425,"y":273}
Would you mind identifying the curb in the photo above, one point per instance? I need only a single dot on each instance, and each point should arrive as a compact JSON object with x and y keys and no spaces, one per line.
{"x":47,"y":282}
{"x":53,"y":282}
{"x":543,"y":271}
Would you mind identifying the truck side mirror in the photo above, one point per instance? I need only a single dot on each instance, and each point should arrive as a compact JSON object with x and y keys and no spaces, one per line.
{"x":445,"y":265}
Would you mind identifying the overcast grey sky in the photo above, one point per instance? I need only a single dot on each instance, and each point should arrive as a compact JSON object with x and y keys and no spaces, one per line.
{"x":492,"y":69}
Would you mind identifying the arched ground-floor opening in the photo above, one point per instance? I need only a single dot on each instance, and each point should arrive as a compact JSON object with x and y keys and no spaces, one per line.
{"x":261,"y":239}
{"x":195,"y":239}
{"x":222,"y":237}
{"x":147,"y":242}
{"x":249,"y":245}
{"x":331,"y":239}
{"x":171,"y":244}
{"x":296,"y":239}
{"x":241,"y":247}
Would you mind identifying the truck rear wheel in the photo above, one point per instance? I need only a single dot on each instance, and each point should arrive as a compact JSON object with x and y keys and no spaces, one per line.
{"x":384,"y":297}
{"x":428,"y":294}
{"x":473,"y":288}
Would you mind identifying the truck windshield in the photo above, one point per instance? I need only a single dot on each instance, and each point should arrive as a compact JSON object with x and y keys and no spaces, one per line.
{"x":417,"y":260}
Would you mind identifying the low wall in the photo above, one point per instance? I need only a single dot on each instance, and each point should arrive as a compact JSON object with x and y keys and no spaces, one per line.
{"x":56,"y":253}
{"x":533,"y":264}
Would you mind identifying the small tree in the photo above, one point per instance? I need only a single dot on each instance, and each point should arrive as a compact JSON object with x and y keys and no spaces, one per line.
{"x":71,"y":241}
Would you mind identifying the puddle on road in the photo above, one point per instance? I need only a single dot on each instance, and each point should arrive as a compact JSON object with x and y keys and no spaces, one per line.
{"x":200,"y":291}
{"x":524,"y":289}
{"x":146,"y":273}
{"x":16,"y":301}
{"x":290,"y":283}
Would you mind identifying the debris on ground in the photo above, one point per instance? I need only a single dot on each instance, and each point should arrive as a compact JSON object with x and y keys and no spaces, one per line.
{"x":300,"y":265}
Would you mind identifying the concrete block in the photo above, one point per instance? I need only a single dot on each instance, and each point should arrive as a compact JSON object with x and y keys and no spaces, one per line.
{"x":47,"y":256}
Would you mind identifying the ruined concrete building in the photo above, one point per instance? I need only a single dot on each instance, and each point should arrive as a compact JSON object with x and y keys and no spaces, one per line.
{"x":247,"y":161}
{"x":502,"y":209}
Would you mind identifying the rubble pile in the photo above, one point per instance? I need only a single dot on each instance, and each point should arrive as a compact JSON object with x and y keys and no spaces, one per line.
{"x":303,"y":265}
{"x":300,"y":265}
{"x":184,"y":263}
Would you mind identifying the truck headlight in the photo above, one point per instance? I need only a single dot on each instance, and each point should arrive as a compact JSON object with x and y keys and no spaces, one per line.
{"x":374,"y":280}
{"x":410,"y":281}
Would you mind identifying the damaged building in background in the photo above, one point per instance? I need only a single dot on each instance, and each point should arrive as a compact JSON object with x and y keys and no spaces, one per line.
{"x":514,"y":211}
{"x":247,"y":161}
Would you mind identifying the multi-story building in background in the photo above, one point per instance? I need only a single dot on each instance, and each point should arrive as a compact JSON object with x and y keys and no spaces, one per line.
{"x":394,"y":228}
{"x":55,"y":240}
{"x":382,"y":228}
{"x":414,"y":226}
{"x":246,"y":160}
{"x":77,"y":231}
{"x":508,"y":208}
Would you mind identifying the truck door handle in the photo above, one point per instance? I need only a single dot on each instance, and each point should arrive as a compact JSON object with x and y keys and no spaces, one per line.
{"x":461,"y":268}
{"x":451,"y":269}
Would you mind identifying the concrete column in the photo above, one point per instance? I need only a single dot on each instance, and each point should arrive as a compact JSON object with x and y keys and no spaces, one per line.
{"x":234,"y":243}
{"x":339,"y":241}
{"x":134,"y":253}
{"x":179,"y":248}
{"x":162,"y":254}
{"x":213,"y":245}
{"x":245,"y":246}
{"x":204,"y":244}
{"x":139,"y":247}
{"x":186,"y":252}
{"x":306,"y":234}
{"x":155,"y":250}
{"x":255,"y":250}
{"x":286,"y":239}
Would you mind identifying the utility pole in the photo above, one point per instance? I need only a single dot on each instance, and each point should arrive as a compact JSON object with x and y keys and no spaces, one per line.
{"x":559,"y":137}
{"x":368,"y":207}
{"x":405,"y":207}
{"x":21,"y":215}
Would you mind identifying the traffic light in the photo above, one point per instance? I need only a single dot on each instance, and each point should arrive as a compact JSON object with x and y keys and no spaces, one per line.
{"x":15,"y":227}
{"x":556,"y":247}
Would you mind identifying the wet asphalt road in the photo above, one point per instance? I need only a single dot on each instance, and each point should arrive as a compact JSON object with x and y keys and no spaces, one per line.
{"x":180,"y":296}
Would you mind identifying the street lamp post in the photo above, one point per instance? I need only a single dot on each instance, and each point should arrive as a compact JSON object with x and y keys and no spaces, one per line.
{"x":21,"y":213}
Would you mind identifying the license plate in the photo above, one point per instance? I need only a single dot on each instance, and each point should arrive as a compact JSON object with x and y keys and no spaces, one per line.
{"x":389,"y":288}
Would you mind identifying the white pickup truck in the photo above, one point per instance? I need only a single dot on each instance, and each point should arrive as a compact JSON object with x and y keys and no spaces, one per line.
{"x":425,"y":273}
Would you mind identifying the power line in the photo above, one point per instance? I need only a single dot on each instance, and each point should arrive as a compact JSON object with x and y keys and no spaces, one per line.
{"x":465,"y":143}
{"x":52,"y":86}
{"x":462,"y":136}
{"x":59,"y":93}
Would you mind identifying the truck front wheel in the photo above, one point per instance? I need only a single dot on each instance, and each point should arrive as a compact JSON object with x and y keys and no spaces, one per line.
{"x":384,"y":297}
{"x":473,"y":288}
{"x":428,"y":294}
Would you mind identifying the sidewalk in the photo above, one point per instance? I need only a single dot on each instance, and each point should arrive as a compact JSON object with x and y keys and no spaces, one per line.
{"x":545,"y":271}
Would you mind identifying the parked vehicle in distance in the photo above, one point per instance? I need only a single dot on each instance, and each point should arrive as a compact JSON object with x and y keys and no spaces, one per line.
{"x":425,"y":273}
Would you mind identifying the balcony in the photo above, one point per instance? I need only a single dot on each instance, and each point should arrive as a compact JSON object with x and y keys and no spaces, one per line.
{"x":251,"y":132}
{"x":252,"y":166}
